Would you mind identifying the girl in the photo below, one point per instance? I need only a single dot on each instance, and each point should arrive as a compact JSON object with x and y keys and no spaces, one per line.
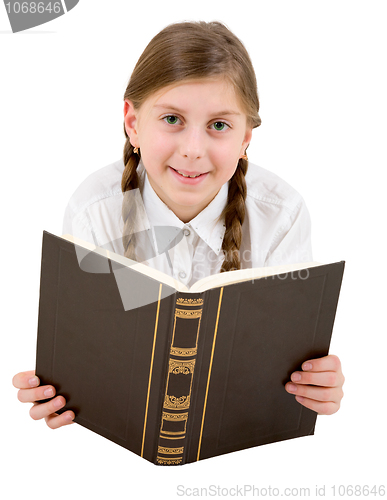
{"x":189,"y":110}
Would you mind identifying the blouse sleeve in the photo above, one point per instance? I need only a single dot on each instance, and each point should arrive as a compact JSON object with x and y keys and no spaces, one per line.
{"x":78,"y":226}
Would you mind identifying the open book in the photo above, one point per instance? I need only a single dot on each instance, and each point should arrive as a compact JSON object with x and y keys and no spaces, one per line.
{"x":213,"y":281}
{"x":179,"y":375}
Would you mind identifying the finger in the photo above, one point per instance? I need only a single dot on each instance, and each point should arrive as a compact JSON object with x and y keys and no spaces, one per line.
{"x":323,"y":394}
{"x":32,"y":395}
{"x":42,"y":410}
{"x":324,"y":379}
{"x":55,"y":421}
{"x":325,"y":364}
{"x":25,"y":380}
{"x":322,"y":408}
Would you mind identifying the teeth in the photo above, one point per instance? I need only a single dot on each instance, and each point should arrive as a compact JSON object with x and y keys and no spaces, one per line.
{"x":190,"y":176}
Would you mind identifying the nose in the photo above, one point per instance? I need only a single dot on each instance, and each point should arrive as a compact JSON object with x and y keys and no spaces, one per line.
{"x":192,"y":144}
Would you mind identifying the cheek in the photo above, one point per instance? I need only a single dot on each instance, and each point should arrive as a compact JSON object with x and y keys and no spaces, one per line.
{"x":226,"y":154}
{"x":158,"y":147}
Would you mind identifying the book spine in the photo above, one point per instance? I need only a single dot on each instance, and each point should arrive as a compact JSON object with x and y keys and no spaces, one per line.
{"x":180,"y":371}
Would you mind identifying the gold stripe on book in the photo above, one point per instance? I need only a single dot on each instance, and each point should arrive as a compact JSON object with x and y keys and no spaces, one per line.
{"x":172,"y":437}
{"x":151,"y":369}
{"x":209,"y":371}
{"x":174,"y":434}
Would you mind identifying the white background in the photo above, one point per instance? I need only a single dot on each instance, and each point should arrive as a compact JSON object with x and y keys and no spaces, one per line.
{"x":322,"y":83}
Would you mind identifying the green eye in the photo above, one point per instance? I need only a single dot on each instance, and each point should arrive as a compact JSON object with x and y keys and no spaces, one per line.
{"x":219,"y":126}
{"x":172,"y":120}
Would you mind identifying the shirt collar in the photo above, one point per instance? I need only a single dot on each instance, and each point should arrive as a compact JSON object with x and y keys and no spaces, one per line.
{"x":208,"y":224}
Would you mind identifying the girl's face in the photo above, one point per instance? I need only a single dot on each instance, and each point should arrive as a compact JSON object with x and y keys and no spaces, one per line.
{"x":191,"y":137}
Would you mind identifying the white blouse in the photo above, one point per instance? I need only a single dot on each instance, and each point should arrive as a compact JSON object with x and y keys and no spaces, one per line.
{"x":276,"y":229}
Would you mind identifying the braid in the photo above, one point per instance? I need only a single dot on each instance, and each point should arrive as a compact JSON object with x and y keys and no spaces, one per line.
{"x":234,"y":215}
{"x":129,"y":209}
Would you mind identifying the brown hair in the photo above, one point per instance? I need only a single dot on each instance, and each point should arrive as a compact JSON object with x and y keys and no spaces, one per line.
{"x":193,"y":51}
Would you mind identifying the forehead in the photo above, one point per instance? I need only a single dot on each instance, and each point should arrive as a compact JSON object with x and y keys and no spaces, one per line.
{"x":211,"y":94}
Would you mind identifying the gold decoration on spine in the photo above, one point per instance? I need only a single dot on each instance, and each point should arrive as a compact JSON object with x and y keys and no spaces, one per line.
{"x":180,"y":351}
{"x":174,"y":425}
{"x":183,"y":313}
{"x":170,"y":451}
{"x":172,"y":402}
{"x":185,"y":367}
{"x":189,"y":302}
{"x":175,"y":416}
{"x":169,"y":461}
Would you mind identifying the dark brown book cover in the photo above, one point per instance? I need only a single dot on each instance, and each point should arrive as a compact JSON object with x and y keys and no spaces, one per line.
{"x":182,"y":376}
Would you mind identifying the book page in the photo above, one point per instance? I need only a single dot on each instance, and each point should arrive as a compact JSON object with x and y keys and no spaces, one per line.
{"x":213,"y":281}
{"x":230,"y":277}
{"x":137,"y":266}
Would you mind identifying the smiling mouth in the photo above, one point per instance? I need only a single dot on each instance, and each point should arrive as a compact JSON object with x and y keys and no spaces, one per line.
{"x":191,"y":176}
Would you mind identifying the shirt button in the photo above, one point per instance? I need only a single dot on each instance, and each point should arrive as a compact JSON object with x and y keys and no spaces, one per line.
{"x":186,"y":232}
{"x":182,"y":275}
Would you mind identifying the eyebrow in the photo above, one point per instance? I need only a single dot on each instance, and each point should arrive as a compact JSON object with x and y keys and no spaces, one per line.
{"x":173,"y":108}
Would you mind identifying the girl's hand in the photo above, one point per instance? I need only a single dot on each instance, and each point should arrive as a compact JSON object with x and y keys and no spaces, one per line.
{"x":319,"y":386}
{"x":31,"y":392}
